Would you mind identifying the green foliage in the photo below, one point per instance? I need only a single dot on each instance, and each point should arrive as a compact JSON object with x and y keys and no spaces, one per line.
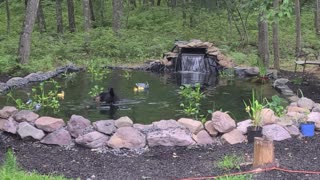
{"x":126,"y":74}
{"x":230,"y":162}
{"x":191,"y":98}
{"x":95,"y":90}
{"x":227,"y":73}
{"x":10,"y":171}
{"x":96,"y":70}
{"x":276,"y":104}
{"x":254,"y":109}
{"x":237,"y":177}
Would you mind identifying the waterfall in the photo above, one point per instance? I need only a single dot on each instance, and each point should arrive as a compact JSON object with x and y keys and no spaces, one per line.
{"x":193,"y":63}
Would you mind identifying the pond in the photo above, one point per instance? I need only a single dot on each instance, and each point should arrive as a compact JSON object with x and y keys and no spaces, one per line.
{"x":160,"y":101}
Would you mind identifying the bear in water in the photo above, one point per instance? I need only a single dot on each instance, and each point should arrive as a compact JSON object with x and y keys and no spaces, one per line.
{"x":107,"y":97}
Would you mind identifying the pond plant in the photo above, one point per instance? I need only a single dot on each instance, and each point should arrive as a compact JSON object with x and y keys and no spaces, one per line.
{"x":276,"y":105}
{"x":96,"y":71}
{"x":45,"y":96}
{"x":95,"y":90}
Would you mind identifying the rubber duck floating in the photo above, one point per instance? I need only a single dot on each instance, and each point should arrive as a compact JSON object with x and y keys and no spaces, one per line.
{"x":61,"y":95}
{"x":141,"y":87}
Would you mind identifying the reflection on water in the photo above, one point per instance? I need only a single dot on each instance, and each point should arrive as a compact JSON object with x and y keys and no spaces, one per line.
{"x":160,"y":101}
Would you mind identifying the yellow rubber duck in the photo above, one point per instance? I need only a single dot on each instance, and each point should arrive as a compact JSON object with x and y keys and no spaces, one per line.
{"x":61,"y":95}
{"x":138,"y":89}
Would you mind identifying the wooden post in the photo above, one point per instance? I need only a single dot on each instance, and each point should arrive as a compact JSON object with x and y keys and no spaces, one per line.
{"x":263,"y":152}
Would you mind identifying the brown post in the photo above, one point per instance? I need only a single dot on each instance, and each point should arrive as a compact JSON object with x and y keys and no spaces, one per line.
{"x":263,"y":155}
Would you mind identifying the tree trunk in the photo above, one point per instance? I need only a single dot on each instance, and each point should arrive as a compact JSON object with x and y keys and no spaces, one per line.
{"x":117,"y":8}
{"x":317,"y":17}
{"x":152,"y":2}
{"x":158,"y":2}
{"x":298,"y":27}
{"x":86,"y":14}
{"x":275,"y":37}
{"x":263,"y":42}
{"x":59,"y":16}
{"x":72,"y":23}
{"x":133,"y":2}
{"x":92,"y":16}
{"x":263,"y":154}
{"x":101,"y":10}
{"x":25,"y":37}
{"x":8,"y":17}
{"x":41,"y":19}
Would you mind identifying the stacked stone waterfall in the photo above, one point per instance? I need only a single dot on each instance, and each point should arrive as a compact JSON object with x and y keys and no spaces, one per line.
{"x":123,"y":133}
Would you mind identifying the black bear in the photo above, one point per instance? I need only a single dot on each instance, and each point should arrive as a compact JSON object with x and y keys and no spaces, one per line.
{"x":107,"y":97}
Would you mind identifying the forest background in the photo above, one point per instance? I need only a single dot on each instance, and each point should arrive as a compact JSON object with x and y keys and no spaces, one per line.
{"x":43,"y":34}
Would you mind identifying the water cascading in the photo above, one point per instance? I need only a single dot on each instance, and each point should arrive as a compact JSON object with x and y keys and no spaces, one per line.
{"x":193,"y":63}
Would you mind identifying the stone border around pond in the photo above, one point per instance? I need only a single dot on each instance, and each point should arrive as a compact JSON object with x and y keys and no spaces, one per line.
{"x":123,"y":133}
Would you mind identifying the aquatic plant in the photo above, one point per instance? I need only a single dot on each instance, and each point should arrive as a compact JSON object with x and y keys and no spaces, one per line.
{"x":276,"y":105}
{"x":96,"y":71}
{"x":254,"y":109}
{"x":227,"y":73}
{"x":95,"y":90}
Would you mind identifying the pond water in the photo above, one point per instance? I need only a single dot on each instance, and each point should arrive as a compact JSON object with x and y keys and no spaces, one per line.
{"x":161,"y":101}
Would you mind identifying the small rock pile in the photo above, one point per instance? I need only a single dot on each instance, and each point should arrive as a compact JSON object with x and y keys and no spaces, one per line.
{"x":123,"y":133}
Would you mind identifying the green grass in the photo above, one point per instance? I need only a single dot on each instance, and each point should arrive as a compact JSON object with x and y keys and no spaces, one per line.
{"x":10,"y":171}
{"x":237,"y":177}
{"x":230,"y":162}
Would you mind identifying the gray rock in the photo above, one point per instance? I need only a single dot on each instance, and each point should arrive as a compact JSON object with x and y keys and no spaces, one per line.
{"x":252,"y":71}
{"x":280,"y":82}
{"x":49,"y":124}
{"x":305,"y":103}
{"x":27,"y":130}
{"x":26,"y":116}
{"x":166,"y":124}
{"x":243,"y":126}
{"x":210,"y":128}
{"x":316,"y":107}
{"x":3,"y":87}
{"x":10,"y":126}
{"x":7,"y":111}
{"x":170,"y":137}
{"x":127,"y":137}
{"x":203,"y":138}
{"x":233,"y":137}
{"x":17,"y":82}
{"x":144,"y":128}
{"x":124,"y":122}
{"x":293,"y":130}
{"x":193,"y":125}
{"x":36,"y":77}
{"x":59,"y":137}
{"x":92,"y":140}
{"x":77,"y":125}
{"x":222,"y":122}
{"x":105,"y":126}
{"x":2,"y":121}
{"x":275,"y":132}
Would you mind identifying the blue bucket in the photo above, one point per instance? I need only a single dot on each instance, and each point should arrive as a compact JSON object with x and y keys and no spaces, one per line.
{"x":307,"y":129}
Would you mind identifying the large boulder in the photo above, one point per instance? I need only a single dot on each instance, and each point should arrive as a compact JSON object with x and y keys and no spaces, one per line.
{"x":144,"y":128}
{"x":26,"y":116}
{"x":17,"y":82}
{"x":27,"y":130}
{"x":59,"y":137}
{"x":305,"y":103}
{"x":316,"y":107}
{"x":170,"y":137}
{"x":77,"y":125}
{"x":124,"y":122}
{"x":166,"y":124}
{"x":203,"y":138}
{"x":105,"y":126}
{"x":243,"y":126}
{"x":293,"y":130}
{"x":127,"y":137}
{"x":222,"y":122}
{"x":49,"y":124}
{"x":275,"y":132}
{"x":193,"y":125}
{"x":7,"y":111}
{"x":92,"y":140}
{"x":233,"y":137}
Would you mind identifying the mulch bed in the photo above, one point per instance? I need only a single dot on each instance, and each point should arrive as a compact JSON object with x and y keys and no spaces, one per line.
{"x":168,"y":162}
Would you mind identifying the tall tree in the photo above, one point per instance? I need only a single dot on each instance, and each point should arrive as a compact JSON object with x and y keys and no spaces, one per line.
{"x":317,"y":17}
{"x":275,"y":37}
{"x":86,"y":14}
{"x":158,"y":2}
{"x":71,"y":19}
{"x":101,"y":11}
{"x":25,"y":36}
{"x":298,"y":27}
{"x":59,"y":16}
{"x":40,"y":18}
{"x":117,"y":10}
{"x":92,"y":16}
{"x":8,"y":17}
{"x":263,"y":42}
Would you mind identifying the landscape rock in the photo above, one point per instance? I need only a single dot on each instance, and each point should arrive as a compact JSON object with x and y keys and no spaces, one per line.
{"x":314,"y":116}
{"x":280,"y":82}
{"x":293,"y":130}
{"x":27,"y":130}
{"x":26,"y":116}
{"x":2,"y":121}
{"x":210,"y":128}
{"x":275,"y":132}
{"x":202,"y":138}
{"x":92,"y":140}
{"x":305,"y":103}
{"x":16,"y":82}
{"x":59,"y":137}
{"x":144,"y":128}
{"x":170,"y":137}
{"x":193,"y":125}
{"x":124,"y":122}
{"x":7,"y":111}
{"x":77,"y":125}
{"x":316,"y":107}
{"x":267,"y":116}
{"x":49,"y":124}
{"x":166,"y":124}
{"x":222,"y":122}
{"x":233,"y":137}
{"x":10,"y":126}
{"x":36,"y":77}
{"x":297,"y":109}
{"x":105,"y":126}
{"x":243,"y":126}
{"x":127,"y":137}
